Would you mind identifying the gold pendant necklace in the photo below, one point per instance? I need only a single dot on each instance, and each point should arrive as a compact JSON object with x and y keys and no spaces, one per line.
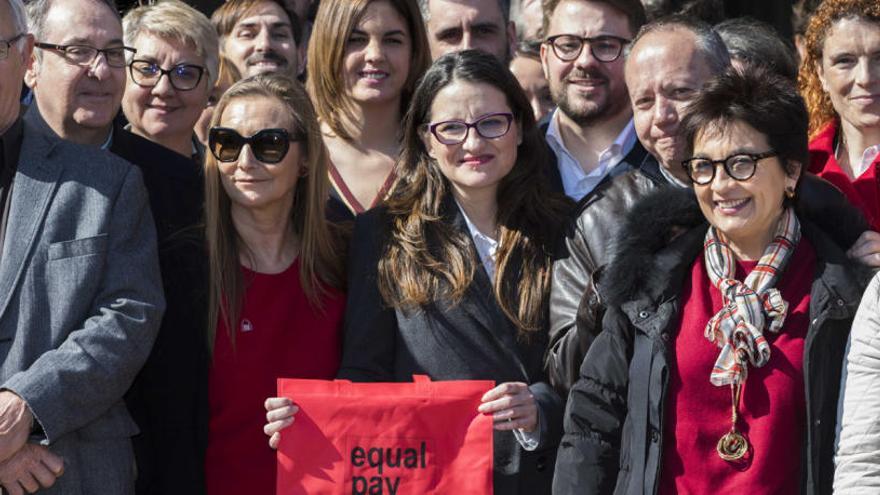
{"x":733,"y":446}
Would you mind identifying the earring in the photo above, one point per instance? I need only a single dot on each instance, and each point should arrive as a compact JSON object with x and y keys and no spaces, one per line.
{"x":789,"y":192}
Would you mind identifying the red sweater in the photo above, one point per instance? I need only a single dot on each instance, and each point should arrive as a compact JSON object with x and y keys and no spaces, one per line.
{"x":863,"y":193}
{"x":772,"y":408}
{"x":279,"y":335}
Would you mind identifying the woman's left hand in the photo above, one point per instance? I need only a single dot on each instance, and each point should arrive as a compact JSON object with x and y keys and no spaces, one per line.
{"x":512,"y":406}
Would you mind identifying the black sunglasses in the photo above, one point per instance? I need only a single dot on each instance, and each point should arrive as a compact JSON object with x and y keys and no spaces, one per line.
{"x":267,"y":145}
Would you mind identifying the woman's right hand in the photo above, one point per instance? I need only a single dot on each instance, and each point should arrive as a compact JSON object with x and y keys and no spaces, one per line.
{"x":279,"y":415}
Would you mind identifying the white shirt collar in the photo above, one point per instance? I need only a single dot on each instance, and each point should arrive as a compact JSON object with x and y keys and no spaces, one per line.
{"x":486,"y":246}
{"x":868,"y":156}
{"x":575,"y":181}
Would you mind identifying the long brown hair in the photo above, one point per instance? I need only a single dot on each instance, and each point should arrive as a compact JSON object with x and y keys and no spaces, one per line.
{"x":334,"y":23}
{"x":320,"y":245}
{"x":426,"y":258}
{"x":825,"y":16}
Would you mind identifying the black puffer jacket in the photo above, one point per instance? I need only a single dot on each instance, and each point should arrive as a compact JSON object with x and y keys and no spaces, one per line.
{"x":613,"y":422}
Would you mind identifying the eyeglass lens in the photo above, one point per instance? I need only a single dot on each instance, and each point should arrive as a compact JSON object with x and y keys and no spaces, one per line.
{"x":183,"y":77}
{"x":84,"y":55}
{"x":739,"y":167}
{"x":268,"y":145}
{"x":490,"y":127}
{"x":604,"y":48}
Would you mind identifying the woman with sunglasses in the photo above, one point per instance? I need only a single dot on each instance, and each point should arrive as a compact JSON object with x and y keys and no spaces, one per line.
{"x":718,"y":366}
{"x":171,"y":76}
{"x":364,"y":59}
{"x":451,"y":277}
{"x":275,"y":303}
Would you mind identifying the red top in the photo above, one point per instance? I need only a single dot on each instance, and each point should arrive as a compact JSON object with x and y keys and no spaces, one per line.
{"x":863,"y":192}
{"x":772,"y":408}
{"x":279,"y":335}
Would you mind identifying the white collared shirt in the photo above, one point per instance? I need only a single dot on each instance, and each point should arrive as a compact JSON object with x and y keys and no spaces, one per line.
{"x":575,"y":181}
{"x":486,"y":246}
{"x":868,"y":156}
{"x":486,"y":249}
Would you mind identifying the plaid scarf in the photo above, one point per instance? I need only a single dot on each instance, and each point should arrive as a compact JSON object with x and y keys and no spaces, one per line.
{"x":738,"y":329}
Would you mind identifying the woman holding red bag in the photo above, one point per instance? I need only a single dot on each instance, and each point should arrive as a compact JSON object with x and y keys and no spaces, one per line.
{"x":451,"y":277}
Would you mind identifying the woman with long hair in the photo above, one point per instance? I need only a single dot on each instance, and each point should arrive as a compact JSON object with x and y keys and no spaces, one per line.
{"x":275,"y":270}
{"x":364,"y":59}
{"x":840,"y":81}
{"x":451,"y":277}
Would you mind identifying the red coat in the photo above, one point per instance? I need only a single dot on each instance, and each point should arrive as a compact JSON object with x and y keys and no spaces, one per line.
{"x":863,"y":192}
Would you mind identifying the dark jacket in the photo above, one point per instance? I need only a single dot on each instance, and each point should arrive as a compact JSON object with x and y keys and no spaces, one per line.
{"x":575,"y":306}
{"x":587,"y":248}
{"x":470,"y":340}
{"x":613,"y":423}
{"x":169,"y":397}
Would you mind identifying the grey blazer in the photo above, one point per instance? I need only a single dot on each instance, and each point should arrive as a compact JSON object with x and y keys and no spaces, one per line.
{"x":80,"y":304}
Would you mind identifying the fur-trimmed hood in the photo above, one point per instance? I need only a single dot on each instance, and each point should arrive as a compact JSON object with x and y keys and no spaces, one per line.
{"x":664,"y":232}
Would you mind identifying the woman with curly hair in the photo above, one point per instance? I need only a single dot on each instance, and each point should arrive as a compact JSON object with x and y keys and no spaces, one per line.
{"x":840,"y":81}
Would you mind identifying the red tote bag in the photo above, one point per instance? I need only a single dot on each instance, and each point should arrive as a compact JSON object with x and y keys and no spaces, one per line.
{"x":386,"y":438}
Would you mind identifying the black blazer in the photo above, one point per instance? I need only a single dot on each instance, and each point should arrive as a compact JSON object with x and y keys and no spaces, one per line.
{"x":169,"y":397}
{"x":472,"y":340}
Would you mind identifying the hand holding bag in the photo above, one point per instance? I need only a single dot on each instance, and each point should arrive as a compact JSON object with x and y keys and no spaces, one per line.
{"x":386,"y":438}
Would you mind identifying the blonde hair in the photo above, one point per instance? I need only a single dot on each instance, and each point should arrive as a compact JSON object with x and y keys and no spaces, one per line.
{"x":321,"y":245}
{"x":826,"y":15}
{"x":333,"y":25}
{"x":172,"y":19}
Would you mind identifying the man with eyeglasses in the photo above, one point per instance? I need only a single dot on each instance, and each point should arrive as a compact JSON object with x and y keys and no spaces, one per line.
{"x":80,"y":297}
{"x":591,"y":131}
{"x":78,"y":78}
{"x":78,"y":70}
{"x":667,"y":65}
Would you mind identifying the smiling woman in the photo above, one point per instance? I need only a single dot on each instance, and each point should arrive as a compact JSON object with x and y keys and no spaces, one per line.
{"x":840,"y":80}
{"x":275,"y":300}
{"x":719,"y":354}
{"x":365,"y":57}
{"x":172,"y":75}
{"x":451,"y":277}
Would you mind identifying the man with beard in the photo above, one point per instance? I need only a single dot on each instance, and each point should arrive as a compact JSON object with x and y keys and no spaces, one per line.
{"x":259,"y":36}
{"x":455,"y":25}
{"x":591,"y":132}
{"x":668,"y":63}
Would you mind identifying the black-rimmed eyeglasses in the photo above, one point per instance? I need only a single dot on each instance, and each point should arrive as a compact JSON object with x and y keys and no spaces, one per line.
{"x":740,"y":166}
{"x":183,"y":77}
{"x":5,"y":45}
{"x":489,"y":126}
{"x":267,"y":145}
{"x":84,"y":54}
{"x":568,"y":47}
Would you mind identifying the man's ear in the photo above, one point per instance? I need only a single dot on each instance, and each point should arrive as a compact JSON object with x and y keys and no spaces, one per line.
{"x":31,"y":63}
